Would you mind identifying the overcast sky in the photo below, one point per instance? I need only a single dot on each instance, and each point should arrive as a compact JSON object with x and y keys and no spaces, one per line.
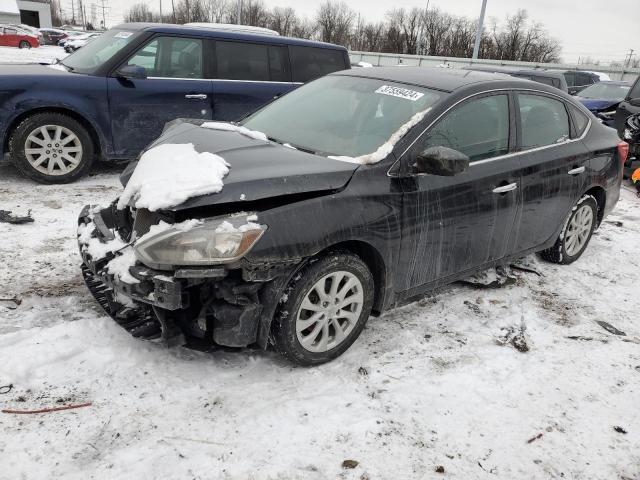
{"x":602,"y":29}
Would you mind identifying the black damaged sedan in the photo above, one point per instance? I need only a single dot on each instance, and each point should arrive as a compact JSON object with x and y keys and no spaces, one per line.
{"x":348,"y":196}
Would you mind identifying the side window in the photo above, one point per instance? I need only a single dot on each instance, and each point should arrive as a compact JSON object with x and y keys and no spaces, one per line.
{"x":478,"y":128}
{"x":583,"y":78}
{"x":10,"y":31}
{"x":544,"y":121}
{"x":308,"y":63}
{"x":242,"y":61}
{"x":570,"y":77}
{"x":170,"y":57}
{"x":635,"y":90}
{"x":580,"y":120}
{"x":277,"y":60}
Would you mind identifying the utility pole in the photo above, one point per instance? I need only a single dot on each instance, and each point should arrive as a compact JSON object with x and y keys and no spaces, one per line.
{"x":628,"y":60}
{"x":476,"y":47}
{"x":104,"y":8}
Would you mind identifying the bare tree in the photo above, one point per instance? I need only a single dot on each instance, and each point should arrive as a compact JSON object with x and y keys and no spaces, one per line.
{"x":334,"y":20}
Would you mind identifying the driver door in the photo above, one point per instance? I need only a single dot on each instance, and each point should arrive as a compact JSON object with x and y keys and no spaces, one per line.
{"x":175,"y":87}
{"x":455,"y":224}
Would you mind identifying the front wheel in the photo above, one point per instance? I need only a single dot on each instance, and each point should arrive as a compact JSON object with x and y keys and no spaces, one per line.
{"x":324,"y":309}
{"x":52,"y":148}
{"x":24,"y":44}
{"x":576,"y":233}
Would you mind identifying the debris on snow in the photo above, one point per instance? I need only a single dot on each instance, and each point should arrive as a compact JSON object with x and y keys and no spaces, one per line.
{"x":7,"y":217}
{"x":620,"y":430}
{"x":385,"y":149}
{"x":439,"y":469}
{"x":230,"y":127}
{"x":514,"y":336}
{"x":47,"y":410}
{"x":610,"y":328}
{"x":350,"y":464}
{"x":169,"y":174}
{"x":492,"y":278}
{"x":534,"y":438}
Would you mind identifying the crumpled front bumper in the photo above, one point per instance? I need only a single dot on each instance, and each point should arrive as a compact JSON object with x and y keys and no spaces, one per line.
{"x":130,"y":303}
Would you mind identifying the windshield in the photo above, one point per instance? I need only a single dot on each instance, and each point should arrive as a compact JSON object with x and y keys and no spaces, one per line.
{"x":605,"y":91}
{"x":341,"y":115}
{"x":98,"y":50}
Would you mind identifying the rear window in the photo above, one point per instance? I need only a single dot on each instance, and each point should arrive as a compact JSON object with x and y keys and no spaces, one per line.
{"x":249,"y":61}
{"x":308,"y":63}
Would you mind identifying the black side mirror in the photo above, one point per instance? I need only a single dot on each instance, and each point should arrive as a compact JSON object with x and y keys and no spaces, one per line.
{"x":442,"y":161}
{"x":132,"y":72}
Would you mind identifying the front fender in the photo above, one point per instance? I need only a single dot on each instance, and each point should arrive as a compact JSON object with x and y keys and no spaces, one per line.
{"x":86,"y":99}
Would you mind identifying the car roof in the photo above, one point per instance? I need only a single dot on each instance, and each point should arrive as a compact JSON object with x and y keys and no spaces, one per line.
{"x":221,"y":33}
{"x":444,"y":79}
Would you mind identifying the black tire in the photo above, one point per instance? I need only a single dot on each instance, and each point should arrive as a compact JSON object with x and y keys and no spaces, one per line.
{"x":19,"y":138}
{"x":558,"y":253}
{"x":24,"y":44}
{"x":284,"y":325}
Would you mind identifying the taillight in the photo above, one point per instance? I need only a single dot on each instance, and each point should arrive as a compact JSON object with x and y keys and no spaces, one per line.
{"x":623,"y":151}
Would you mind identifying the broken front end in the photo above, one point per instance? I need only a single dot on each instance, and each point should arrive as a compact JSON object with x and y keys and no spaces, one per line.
{"x":162,"y":279}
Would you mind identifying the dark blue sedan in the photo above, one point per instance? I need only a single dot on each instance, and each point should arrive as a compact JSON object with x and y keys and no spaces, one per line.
{"x":603,"y":98}
{"x":112,"y":97}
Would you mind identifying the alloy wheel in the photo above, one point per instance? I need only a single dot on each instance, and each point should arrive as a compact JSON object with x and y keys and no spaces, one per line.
{"x":578,"y":230}
{"x":329,"y":312}
{"x":53,"y":150}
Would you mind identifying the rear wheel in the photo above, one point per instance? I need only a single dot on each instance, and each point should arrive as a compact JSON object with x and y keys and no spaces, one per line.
{"x":24,"y":44}
{"x":576,"y":233}
{"x":325,"y":310}
{"x":52,"y":148}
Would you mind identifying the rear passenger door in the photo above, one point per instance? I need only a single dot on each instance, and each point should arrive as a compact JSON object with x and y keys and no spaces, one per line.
{"x":454,"y":224}
{"x":247,"y":76}
{"x":554,"y":165}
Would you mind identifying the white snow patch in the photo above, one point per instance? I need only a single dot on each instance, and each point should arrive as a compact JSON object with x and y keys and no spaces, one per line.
{"x":242,"y":196}
{"x":229,"y":127}
{"x":164,"y":226}
{"x":386,"y":148}
{"x":94,"y":247}
{"x":57,"y":66}
{"x":169,"y":174}
{"x":119,"y":266}
{"x":365,"y":64}
{"x":288,"y":145}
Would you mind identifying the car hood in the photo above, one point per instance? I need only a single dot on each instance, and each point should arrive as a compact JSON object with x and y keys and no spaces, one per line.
{"x":258,"y":169}
{"x":22,"y":71}
{"x":596,"y":105}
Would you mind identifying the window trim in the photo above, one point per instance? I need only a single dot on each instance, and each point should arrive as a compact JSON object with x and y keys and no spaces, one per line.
{"x":511,"y":91}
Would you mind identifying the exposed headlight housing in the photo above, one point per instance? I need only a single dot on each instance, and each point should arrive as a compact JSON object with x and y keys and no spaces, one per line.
{"x":212,"y":242}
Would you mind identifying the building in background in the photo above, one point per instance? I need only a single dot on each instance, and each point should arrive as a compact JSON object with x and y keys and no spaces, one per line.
{"x":35,"y":14}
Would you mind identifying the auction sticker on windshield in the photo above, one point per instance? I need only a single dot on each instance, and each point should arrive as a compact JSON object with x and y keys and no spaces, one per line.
{"x":400,"y":92}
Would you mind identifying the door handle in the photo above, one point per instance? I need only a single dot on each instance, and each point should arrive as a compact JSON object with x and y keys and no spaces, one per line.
{"x":576,"y":171}
{"x":197,"y":96}
{"x":505,"y":188}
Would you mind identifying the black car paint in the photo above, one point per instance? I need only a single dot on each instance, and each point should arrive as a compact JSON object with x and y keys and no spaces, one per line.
{"x":416,"y":232}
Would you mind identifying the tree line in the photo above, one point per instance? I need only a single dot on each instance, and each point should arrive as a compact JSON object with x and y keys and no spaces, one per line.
{"x":403,"y":30}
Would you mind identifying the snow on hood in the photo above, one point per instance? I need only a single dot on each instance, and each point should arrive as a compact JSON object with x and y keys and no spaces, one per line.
{"x":230,"y":127}
{"x":385,"y":149}
{"x":169,"y":174}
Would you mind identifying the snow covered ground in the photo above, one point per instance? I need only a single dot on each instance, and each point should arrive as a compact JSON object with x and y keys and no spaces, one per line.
{"x":42,"y":54}
{"x":430,"y":384}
